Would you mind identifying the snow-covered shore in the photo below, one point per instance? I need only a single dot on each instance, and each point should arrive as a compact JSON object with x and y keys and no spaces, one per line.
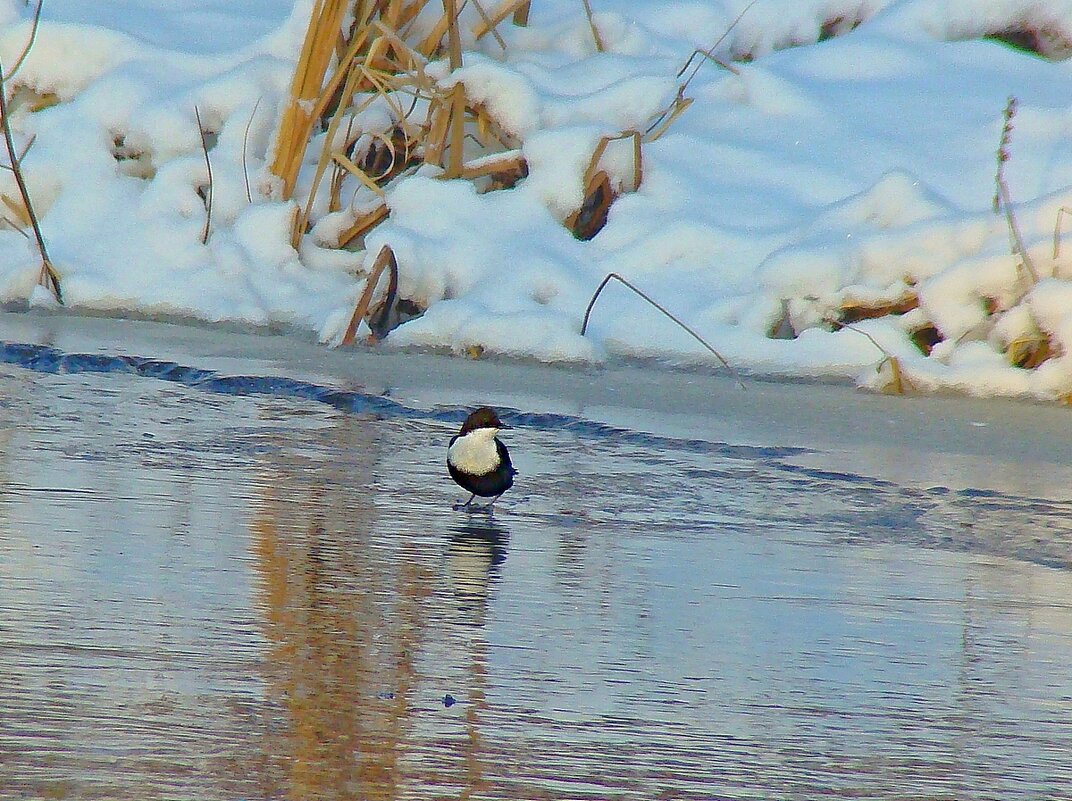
{"x":844,"y":171}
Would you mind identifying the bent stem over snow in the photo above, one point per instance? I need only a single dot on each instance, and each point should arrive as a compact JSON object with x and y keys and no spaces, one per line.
{"x":664,"y":310}
{"x":385,"y":260}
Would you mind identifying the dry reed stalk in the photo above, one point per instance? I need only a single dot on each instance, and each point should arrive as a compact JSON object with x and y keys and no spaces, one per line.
{"x":660,"y":307}
{"x":381,"y":65}
{"x":1002,"y":197}
{"x":457,"y":92}
{"x":362,"y":225}
{"x":338,"y":175}
{"x":385,"y":260}
{"x":367,"y":180}
{"x":431,"y":43}
{"x":299,"y":115}
{"x":851,"y":312}
{"x":490,"y":20}
{"x":380,"y":60}
{"x":1030,"y":350}
{"x":521,"y":16}
{"x":486,"y":21}
{"x":489,"y":165}
{"x":301,"y":221}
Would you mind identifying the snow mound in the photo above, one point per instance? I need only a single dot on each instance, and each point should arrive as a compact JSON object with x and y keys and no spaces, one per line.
{"x":823,"y":208}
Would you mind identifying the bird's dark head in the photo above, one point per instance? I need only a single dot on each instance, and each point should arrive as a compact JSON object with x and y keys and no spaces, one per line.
{"x":484,"y":417}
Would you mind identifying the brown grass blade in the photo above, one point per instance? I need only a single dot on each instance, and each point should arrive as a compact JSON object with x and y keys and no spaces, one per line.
{"x":363,"y":224}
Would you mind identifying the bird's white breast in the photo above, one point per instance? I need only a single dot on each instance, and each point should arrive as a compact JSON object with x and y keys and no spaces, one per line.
{"x":475,"y":452}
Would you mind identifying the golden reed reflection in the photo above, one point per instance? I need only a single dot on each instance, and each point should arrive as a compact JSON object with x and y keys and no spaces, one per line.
{"x":349,"y":612}
{"x":476,"y":550}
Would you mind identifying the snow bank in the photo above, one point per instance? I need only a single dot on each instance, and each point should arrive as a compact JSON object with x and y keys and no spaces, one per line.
{"x":843,"y":173}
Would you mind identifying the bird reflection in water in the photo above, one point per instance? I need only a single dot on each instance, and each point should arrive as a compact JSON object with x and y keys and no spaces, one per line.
{"x":475,"y":552}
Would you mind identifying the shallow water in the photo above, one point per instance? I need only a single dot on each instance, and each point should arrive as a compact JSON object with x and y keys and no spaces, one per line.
{"x":217,"y":596}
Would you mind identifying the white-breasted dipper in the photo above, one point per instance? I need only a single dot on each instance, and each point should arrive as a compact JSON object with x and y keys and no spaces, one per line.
{"x":477,"y":460}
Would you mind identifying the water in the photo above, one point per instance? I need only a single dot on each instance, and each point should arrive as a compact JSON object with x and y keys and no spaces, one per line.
{"x":219,"y":596}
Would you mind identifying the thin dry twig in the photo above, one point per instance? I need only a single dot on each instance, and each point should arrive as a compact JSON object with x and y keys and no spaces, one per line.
{"x":48,"y":277}
{"x":660,"y":307}
{"x":709,"y":53}
{"x":29,"y":42}
{"x":1002,"y":197}
{"x":208,"y":165}
{"x":600,"y":46}
{"x":16,"y":227}
{"x":22,"y":155}
{"x":245,"y":144}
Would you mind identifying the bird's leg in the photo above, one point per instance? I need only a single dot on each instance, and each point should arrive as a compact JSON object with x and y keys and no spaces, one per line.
{"x":460,"y":506}
{"x":491,"y":502}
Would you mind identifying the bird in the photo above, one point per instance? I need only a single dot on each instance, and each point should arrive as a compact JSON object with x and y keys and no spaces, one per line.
{"x":477,"y":460}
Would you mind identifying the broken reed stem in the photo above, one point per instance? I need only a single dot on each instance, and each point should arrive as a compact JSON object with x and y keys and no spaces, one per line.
{"x":1002,"y":197}
{"x":208,"y":166}
{"x":385,"y":260}
{"x":600,"y":46}
{"x":680,"y":103}
{"x":48,"y":277}
{"x":664,"y":310}
{"x":489,"y":25}
{"x":710,"y":52}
